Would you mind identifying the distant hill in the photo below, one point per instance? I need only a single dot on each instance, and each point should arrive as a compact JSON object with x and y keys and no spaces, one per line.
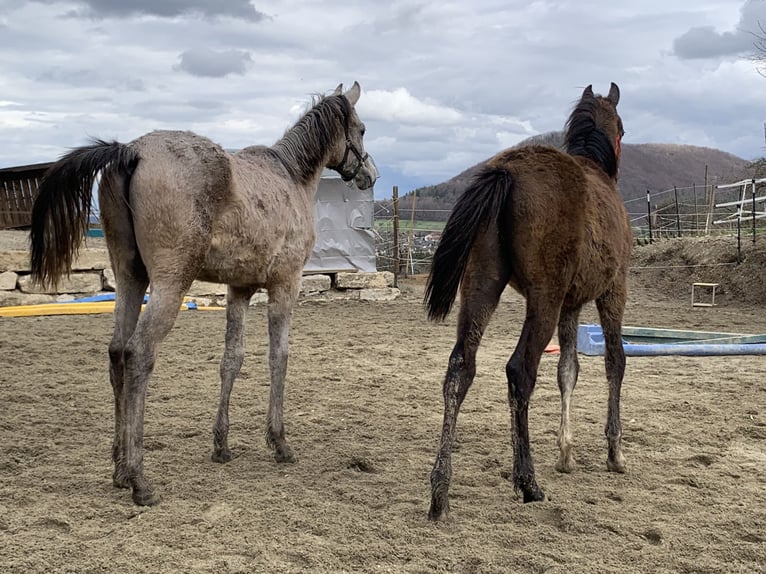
{"x":643,"y":166}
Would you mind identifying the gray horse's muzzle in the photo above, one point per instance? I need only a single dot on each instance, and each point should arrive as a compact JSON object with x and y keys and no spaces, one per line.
{"x":368,"y":174}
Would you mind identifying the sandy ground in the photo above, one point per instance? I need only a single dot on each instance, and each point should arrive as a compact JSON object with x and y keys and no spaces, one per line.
{"x":363,"y":413}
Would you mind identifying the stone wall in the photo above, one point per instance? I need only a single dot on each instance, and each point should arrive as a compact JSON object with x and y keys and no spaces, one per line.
{"x":92,"y":275}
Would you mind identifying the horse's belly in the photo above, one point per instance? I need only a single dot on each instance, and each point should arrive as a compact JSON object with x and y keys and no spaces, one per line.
{"x":234,"y":267}
{"x":255,"y":264}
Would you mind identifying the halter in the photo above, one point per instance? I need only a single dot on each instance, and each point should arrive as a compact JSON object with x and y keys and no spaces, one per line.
{"x":349,"y":147}
{"x":361,"y":158}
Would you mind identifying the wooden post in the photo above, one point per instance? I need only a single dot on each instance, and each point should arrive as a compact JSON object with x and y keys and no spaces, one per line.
{"x":678,"y":214}
{"x":739,"y":236}
{"x":696,"y":220}
{"x":649,"y":213}
{"x":709,"y":220}
{"x":412,"y":233}
{"x":753,"y":188}
{"x":396,"y":236}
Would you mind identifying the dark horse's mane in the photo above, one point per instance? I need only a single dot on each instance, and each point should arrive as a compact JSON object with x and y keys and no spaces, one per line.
{"x":318,"y":127}
{"x":583,"y":137}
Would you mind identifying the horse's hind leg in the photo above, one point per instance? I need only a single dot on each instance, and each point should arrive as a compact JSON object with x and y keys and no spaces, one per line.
{"x":610,"y":309}
{"x":568,"y":369}
{"x":521,"y":371}
{"x":479,"y":298}
{"x":131,"y":282}
{"x":128,"y":299}
{"x":237,"y":302}
{"x":140,"y":354}
{"x":282,"y":299}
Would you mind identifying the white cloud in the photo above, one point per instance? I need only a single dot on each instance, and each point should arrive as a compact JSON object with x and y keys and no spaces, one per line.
{"x":399,"y":106}
{"x":702,"y":42}
{"x":444,"y":85}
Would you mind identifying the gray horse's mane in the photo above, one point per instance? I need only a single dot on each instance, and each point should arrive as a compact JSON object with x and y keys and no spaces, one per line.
{"x":305,"y":145}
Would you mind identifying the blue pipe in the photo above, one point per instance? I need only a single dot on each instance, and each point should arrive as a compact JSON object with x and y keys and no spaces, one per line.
{"x":590,"y":341}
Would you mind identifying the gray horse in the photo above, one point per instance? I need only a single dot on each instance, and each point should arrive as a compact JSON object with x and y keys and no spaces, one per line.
{"x":174,"y":207}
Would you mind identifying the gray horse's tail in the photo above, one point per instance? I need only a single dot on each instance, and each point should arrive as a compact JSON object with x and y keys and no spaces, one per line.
{"x":63,"y":203}
{"x":483,"y":201}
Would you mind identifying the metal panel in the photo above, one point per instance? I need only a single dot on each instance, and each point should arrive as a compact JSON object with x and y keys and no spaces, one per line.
{"x":343,"y":218}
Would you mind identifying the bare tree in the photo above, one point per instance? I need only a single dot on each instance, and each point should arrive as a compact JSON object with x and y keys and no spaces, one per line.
{"x":760,"y":49}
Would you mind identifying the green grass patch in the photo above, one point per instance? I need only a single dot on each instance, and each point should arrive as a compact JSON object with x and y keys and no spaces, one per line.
{"x":405,"y":225}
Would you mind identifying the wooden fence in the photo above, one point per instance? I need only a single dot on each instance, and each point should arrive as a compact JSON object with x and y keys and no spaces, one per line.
{"x":18,"y":188}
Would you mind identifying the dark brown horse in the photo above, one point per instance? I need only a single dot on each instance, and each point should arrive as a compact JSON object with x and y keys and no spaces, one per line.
{"x":553,"y":226}
{"x":175,"y":206}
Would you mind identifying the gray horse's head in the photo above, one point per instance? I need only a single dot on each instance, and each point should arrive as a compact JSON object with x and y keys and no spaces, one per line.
{"x":348,"y":157}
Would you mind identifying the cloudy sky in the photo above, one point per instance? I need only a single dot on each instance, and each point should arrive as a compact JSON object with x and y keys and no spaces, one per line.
{"x":445,"y":84}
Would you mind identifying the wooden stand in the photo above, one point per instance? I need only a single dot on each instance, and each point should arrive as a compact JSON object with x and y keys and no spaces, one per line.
{"x":710,"y":286}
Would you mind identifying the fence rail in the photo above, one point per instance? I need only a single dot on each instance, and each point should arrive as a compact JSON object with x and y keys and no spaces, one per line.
{"x":675,"y":212}
{"x":18,"y":189}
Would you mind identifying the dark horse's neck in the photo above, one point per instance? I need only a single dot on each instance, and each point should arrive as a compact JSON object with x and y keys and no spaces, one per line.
{"x":305,"y":147}
{"x":584,"y":138}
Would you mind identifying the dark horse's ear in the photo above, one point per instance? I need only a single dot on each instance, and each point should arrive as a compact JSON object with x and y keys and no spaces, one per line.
{"x":338,"y":91}
{"x":587,"y":92}
{"x":614,"y":94}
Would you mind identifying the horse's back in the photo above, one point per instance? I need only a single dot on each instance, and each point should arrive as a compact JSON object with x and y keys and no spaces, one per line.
{"x":566,"y":220}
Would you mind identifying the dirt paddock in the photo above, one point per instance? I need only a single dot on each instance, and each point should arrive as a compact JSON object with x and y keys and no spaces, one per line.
{"x":363,"y":414}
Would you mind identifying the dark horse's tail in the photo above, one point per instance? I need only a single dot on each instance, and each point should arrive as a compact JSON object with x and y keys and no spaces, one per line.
{"x":62,"y":206}
{"x":483,"y":201}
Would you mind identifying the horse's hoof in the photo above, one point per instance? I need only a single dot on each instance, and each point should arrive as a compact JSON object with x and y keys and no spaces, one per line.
{"x":119,"y":480}
{"x":618,"y":466}
{"x":565,"y":465}
{"x":533,"y":495}
{"x":439,"y":511}
{"x":438,"y":515}
{"x":221,"y":455}
{"x":284,"y":454}
{"x":145,"y":498}
{"x":282,"y":451}
{"x":143,"y":493}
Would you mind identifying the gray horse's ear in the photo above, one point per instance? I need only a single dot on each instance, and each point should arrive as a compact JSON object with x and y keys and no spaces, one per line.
{"x":614,"y":94}
{"x":338,"y":91}
{"x":588,"y":92}
{"x":353,"y":93}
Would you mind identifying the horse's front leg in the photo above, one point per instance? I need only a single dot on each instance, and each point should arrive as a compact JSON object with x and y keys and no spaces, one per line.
{"x":281,"y":302}
{"x":237,"y":302}
{"x":568,"y":369}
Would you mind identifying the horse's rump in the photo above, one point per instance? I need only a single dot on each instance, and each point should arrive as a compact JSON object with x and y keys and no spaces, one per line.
{"x":62,"y":207}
